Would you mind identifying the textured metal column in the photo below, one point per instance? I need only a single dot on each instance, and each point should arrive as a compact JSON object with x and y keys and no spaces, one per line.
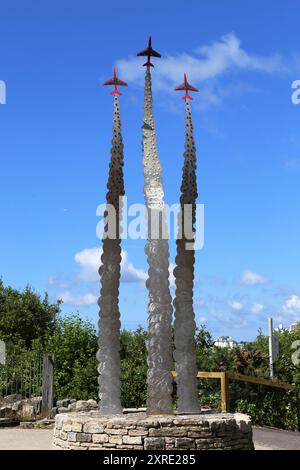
{"x":184,"y":326}
{"x":108,"y":354}
{"x":159,"y":343}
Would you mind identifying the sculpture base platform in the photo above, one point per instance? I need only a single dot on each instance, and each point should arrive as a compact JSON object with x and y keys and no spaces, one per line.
{"x":90,"y":431}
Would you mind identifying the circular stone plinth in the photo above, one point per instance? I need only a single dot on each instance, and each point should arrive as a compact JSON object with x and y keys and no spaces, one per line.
{"x":139,"y":431}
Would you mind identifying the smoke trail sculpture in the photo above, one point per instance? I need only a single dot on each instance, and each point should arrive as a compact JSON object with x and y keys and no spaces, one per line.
{"x":159,"y":343}
{"x":184,"y":326}
{"x":108,"y":354}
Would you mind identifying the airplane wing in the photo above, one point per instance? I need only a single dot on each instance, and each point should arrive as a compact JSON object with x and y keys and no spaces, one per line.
{"x":191,"y":87}
{"x":180,"y":87}
{"x":109,"y":82}
{"x":120,"y":82}
{"x":115,"y":81}
{"x":142,"y":53}
{"x":154,"y":53}
{"x":150,"y":52}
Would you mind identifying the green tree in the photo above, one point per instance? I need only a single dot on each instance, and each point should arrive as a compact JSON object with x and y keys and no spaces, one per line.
{"x":204,"y":346}
{"x":134,"y":368}
{"x":25,"y":316}
{"x":74,"y":344}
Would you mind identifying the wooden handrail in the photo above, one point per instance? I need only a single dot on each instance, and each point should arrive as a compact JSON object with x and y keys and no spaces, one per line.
{"x":257,"y":380}
{"x":204,"y":375}
{"x":226,"y":376}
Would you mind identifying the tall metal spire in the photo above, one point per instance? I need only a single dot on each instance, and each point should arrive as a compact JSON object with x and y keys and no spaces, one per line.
{"x":159,"y":343}
{"x":108,"y":354}
{"x":184,"y":326}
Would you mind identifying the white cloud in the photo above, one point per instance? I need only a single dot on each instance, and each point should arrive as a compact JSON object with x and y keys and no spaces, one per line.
{"x":206,"y":63}
{"x":235,"y":305}
{"x":81,"y":299}
{"x":247,"y":308}
{"x":89,"y":260}
{"x":292,"y":305}
{"x":251,"y":278}
{"x":257,"y":309}
{"x":56,"y":282}
{"x":129,"y":273}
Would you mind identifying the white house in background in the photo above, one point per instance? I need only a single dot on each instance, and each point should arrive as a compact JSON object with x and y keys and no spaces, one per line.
{"x":291,"y":328}
{"x":225,"y":342}
{"x":280,"y":328}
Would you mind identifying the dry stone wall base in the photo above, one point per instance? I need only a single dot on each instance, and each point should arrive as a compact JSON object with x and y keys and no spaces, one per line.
{"x":90,"y":431}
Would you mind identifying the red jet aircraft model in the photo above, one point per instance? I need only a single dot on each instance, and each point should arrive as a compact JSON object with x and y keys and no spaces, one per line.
{"x":116,"y":82}
{"x":149,"y":52}
{"x":186,"y":87}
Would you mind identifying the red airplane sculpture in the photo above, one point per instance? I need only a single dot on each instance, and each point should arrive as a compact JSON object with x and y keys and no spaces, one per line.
{"x":149,"y":52}
{"x":186,"y":87}
{"x":116,"y":82}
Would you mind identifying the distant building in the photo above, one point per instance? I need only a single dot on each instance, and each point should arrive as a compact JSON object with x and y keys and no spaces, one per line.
{"x":225,"y":342}
{"x":294,"y":327}
{"x":281,"y":329}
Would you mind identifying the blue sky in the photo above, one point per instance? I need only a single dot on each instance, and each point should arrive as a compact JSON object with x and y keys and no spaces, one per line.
{"x":56,"y":133}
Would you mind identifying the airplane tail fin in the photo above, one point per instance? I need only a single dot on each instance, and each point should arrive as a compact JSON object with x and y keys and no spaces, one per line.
{"x":148,"y":64}
{"x":115,"y":92}
{"x":186,"y":96}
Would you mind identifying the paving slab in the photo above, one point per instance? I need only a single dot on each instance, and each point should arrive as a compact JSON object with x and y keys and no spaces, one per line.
{"x":275,"y":439}
{"x":25,"y":439}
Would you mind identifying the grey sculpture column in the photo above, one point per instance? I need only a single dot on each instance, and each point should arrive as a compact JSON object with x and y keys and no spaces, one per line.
{"x":159,"y":343}
{"x":109,"y":322}
{"x":185,"y":352}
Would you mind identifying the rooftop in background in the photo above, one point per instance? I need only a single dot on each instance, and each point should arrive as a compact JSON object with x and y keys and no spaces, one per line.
{"x":228,"y":342}
{"x":293,"y":327}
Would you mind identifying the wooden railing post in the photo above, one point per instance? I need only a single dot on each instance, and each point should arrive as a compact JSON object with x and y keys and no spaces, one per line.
{"x":47,"y":386}
{"x":224,"y":392}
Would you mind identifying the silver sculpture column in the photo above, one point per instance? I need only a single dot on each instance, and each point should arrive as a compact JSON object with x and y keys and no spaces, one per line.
{"x":108,"y":354}
{"x":184,"y":326}
{"x":159,"y":343}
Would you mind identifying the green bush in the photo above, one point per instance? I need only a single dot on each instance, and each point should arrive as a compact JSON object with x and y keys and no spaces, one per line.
{"x":74,"y":344}
{"x":133,"y":368}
